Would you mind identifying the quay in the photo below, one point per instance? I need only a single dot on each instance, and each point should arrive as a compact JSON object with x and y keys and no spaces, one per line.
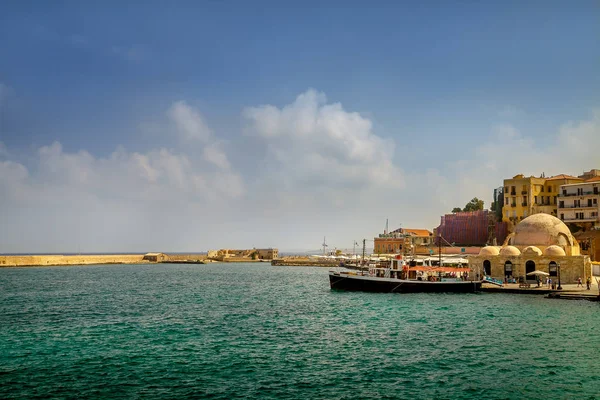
{"x":570,"y":290}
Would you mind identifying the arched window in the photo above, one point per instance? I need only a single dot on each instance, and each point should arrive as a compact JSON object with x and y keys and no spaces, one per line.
{"x":487,"y":267}
{"x":552,"y":268}
{"x":508,"y":269}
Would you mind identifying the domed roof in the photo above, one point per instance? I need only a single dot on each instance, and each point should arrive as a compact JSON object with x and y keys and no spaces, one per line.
{"x":509,"y":251}
{"x":554,"y":250}
{"x":532,"y":250}
{"x":542,"y":230}
{"x":489,"y":251}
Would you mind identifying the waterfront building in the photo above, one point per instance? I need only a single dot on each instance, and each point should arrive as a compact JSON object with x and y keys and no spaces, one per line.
{"x":540,"y":242}
{"x":525,"y":196}
{"x":579,"y":203}
{"x":403,"y":241}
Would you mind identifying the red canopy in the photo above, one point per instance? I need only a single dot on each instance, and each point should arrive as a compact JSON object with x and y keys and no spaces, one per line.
{"x":440,"y":269}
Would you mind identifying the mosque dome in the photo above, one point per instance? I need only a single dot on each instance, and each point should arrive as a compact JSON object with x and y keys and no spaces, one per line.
{"x":554,"y":250}
{"x":532,"y":250}
{"x":510,"y":251}
{"x":542,"y":230}
{"x":489,"y":251}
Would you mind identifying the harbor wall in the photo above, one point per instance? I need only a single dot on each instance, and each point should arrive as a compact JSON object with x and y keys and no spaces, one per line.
{"x":186,"y":257}
{"x":80,"y":259}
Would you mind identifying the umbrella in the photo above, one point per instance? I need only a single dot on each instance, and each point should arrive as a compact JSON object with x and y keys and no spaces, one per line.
{"x":536,"y":272}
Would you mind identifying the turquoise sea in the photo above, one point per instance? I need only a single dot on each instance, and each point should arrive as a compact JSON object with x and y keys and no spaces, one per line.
{"x":226,"y":331}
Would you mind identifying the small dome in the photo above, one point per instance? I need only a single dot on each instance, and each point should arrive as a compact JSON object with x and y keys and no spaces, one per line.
{"x":554,"y":251}
{"x":489,"y":251}
{"x":510,"y":251}
{"x":532,"y":250}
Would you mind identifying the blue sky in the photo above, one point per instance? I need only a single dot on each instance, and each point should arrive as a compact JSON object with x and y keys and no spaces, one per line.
{"x":444,"y":87}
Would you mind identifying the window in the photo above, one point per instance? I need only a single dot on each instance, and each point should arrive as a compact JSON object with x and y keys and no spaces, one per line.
{"x":562,"y":216}
{"x":542,"y":189}
{"x":561,"y":204}
{"x":506,"y":200}
{"x":552,"y":268}
{"x":507,"y":269}
{"x":534,"y":199}
{"x":595,"y":201}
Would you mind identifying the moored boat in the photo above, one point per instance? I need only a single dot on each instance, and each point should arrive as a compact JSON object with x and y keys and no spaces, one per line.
{"x":399,"y":277}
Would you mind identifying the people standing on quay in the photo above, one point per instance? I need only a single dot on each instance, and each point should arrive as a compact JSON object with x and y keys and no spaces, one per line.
{"x":579,"y":284}
{"x":588,"y":282}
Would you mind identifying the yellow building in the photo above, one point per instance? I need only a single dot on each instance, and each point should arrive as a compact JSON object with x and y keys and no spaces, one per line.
{"x":525,"y":196}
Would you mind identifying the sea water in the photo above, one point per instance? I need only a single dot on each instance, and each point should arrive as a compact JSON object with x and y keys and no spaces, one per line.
{"x":226,"y":331}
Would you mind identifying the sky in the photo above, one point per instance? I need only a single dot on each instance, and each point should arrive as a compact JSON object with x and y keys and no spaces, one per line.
{"x":191,"y":126}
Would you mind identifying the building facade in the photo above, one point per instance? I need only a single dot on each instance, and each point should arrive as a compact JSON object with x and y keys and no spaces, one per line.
{"x":403,"y":241}
{"x":580,"y":203}
{"x":525,"y":196}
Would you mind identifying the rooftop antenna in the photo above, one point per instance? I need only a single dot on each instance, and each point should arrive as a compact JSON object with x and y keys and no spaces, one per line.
{"x":324,"y":245}
{"x":386,"y":226}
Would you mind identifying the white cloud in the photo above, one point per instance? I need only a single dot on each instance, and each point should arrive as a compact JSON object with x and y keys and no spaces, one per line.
{"x":315,"y":143}
{"x":216,"y":156}
{"x":189,"y":122}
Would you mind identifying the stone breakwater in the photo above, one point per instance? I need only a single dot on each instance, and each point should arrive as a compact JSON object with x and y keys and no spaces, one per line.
{"x":81,"y":259}
{"x":303,"y":262}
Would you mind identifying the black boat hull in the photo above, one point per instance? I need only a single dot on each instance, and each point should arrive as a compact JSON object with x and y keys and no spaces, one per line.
{"x":390,"y":285}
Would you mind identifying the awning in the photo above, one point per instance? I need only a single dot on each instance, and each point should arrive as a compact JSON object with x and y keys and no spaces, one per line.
{"x":440,"y":269}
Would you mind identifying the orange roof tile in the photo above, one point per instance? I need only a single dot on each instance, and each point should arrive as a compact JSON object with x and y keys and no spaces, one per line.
{"x":594,"y":179}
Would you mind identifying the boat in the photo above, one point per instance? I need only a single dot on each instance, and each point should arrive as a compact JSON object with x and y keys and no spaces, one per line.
{"x":408,"y":276}
{"x":390,"y":280}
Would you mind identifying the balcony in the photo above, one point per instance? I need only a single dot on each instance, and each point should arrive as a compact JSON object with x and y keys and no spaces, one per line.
{"x":524,"y":204}
{"x":524,"y":192}
{"x":585,"y":219}
{"x":513,"y":204}
{"x":586,"y":193}
{"x":582,"y":206}
{"x":513,"y":193}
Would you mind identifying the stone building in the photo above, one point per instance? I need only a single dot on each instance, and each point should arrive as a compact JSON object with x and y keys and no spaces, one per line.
{"x":540,"y":242}
{"x":155,"y":257}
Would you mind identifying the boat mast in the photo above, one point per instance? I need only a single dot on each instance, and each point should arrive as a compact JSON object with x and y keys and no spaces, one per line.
{"x":364,"y":249}
{"x":440,"y":249}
